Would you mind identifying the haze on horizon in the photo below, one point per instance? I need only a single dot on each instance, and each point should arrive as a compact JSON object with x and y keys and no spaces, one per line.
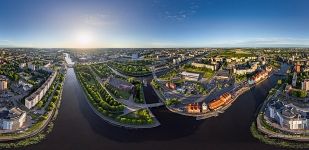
{"x":154,"y":23}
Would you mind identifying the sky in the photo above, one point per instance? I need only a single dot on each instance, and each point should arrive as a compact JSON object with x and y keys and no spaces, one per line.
{"x":154,"y":23}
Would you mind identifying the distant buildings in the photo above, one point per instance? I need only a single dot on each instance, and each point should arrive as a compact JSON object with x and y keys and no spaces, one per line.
{"x":25,"y":85}
{"x":242,"y":70}
{"x":212,"y":67}
{"x":3,"y":83}
{"x":135,"y":56}
{"x":222,"y":75}
{"x":46,"y":67}
{"x":191,"y":76}
{"x":22,"y":65}
{"x":178,"y":60}
{"x":12,"y":119}
{"x":297,"y":68}
{"x":35,"y":97}
{"x":31,"y":66}
{"x":294,"y":79}
{"x":258,"y":77}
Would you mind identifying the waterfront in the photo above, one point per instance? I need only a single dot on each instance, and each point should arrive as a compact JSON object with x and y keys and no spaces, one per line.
{"x":77,"y":127}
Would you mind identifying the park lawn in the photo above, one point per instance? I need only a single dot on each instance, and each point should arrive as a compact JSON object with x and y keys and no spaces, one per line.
{"x":233,"y":53}
{"x":208,"y":75}
{"x":117,"y":92}
{"x":140,"y":117}
{"x":124,"y":94}
{"x":169,"y":75}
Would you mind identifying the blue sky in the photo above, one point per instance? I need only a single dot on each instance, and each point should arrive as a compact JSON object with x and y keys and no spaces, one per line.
{"x":154,"y":23}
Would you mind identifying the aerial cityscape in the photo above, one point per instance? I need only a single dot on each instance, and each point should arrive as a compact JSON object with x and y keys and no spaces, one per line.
{"x":154,"y":74}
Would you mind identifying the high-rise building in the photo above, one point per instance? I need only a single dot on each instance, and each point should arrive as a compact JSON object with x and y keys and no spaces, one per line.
{"x":294,"y":80}
{"x":3,"y":83}
{"x":31,"y":66}
{"x":297,"y":68}
{"x":305,"y":85}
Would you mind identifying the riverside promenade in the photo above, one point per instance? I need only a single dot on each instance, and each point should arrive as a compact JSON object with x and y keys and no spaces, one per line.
{"x":50,"y":116}
{"x":236,"y":92}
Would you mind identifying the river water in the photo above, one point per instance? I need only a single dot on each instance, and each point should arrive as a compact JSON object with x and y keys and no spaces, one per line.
{"x":78,"y":128}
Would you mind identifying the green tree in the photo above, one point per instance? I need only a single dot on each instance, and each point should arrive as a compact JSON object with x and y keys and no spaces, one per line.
{"x":40,"y":104}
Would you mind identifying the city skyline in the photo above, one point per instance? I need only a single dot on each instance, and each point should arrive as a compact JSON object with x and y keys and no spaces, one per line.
{"x":153,"y":24}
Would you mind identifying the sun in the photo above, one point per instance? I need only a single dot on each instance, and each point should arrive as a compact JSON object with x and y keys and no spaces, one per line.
{"x":84,"y":39}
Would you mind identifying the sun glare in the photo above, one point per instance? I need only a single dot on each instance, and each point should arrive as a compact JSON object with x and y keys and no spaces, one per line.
{"x":84,"y":39}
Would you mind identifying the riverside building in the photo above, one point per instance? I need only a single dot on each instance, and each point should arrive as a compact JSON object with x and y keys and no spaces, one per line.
{"x":35,"y":97}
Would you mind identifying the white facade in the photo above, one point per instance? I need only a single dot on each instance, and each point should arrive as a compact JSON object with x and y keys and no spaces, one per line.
{"x":212,"y":67}
{"x":3,"y":84}
{"x":7,"y":125}
{"x":297,"y":124}
{"x":35,"y":97}
{"x":294,"y":80}
{"x":22,"y":65}
{"x":31,"y":66}
{"x":293,"y":120}
{"x":305,"y":85}
{"x":204,"y":107}
{"x":12,"y":119}
{"x":191,"y":76}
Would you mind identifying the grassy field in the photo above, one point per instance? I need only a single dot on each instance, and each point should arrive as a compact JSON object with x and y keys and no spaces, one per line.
{"x":233,"y":53}
{"x":207,"y":73}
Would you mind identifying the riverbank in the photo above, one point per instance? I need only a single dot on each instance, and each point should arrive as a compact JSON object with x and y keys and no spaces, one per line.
{"x":213,"y":113}
{"x":78,"y":127}
{"x":268,"y":134}
{"x":39,"y":131}
{"x":110,"y":120}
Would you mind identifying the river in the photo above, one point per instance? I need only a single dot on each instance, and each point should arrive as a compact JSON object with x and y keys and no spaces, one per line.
{"x":68,"y":59}
{"x":78,"y":128}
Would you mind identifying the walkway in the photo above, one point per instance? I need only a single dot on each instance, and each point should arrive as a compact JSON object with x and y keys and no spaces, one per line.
{"x":130,"y":105}
{"x":117,"y":73}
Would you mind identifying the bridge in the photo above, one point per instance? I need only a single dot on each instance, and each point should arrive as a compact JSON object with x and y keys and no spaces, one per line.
{"x":153,"y":105}
{"x":280,"y":74}
{"x":138,"y":106}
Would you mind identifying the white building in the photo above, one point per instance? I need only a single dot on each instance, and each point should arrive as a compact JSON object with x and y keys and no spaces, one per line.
{"x":35,"y":97}
{"x":212,"y":67}
{"x":288,"y":116}
{"x":12,"y":119}
{"x":26,"y":86}
{"x":31,"y":66}
{"x":204,"y":107}
{"x":294,"y":80}
{"x":191,"y":76}
{"x":135,"y":56}
{"x":3,"y":83}
{"x":305,"y":85}
{"x":22,"y":65}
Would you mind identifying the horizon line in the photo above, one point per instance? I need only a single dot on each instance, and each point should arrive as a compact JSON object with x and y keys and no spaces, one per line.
{"x":152,"y":47}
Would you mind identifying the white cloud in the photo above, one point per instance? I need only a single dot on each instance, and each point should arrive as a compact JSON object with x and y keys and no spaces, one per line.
{"x":98,"y":19}
{"x":177,"y":15}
